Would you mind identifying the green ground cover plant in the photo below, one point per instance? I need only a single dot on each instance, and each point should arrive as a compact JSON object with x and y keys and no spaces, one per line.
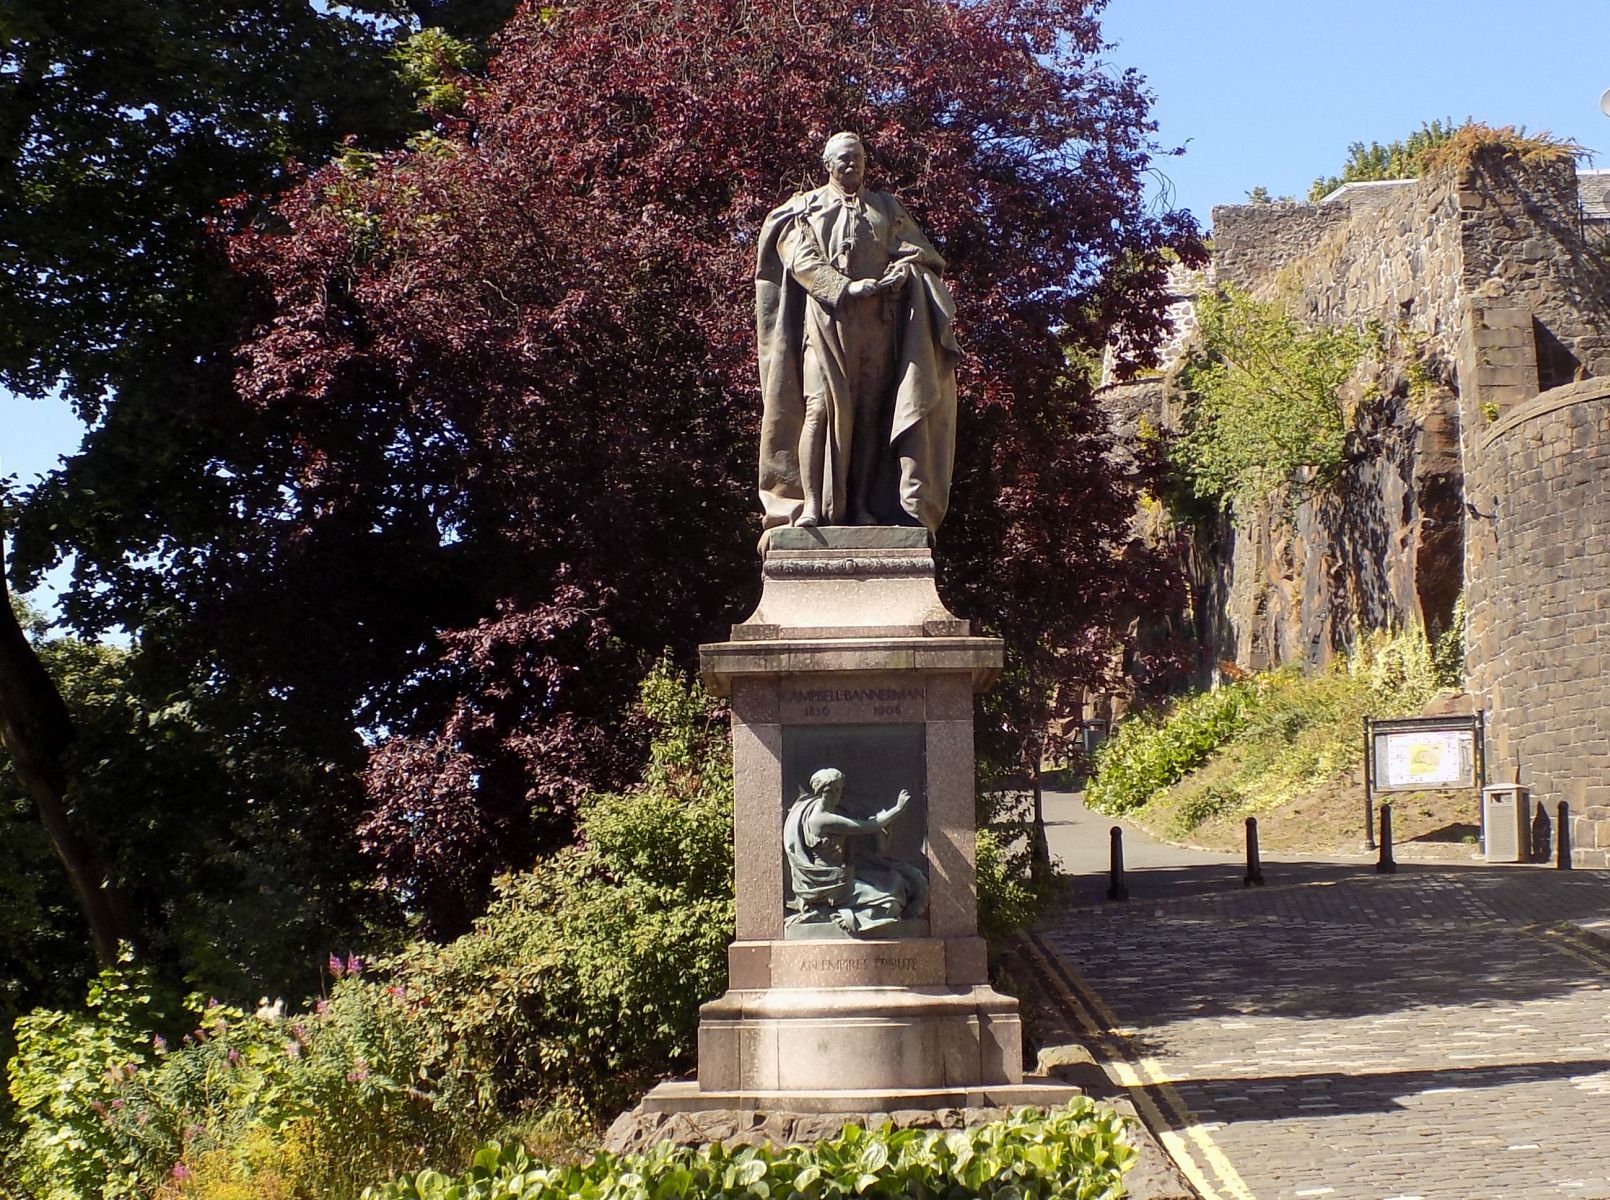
{"x":1079,"y":1152}
{"x":1255,"y":745}
{"x":1150,"y":751}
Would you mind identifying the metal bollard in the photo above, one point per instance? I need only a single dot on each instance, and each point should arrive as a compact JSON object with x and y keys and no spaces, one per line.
{"x":1116,"y":889}
{"x":1254,"y":865}
{"x":1562,"y":837}
{"x":1386,"y":864}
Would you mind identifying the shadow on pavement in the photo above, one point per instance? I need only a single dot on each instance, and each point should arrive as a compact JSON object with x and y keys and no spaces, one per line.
{"x":1330,"y":940}
{"x":1356,"y":892}
{"x":1327,"y":1093}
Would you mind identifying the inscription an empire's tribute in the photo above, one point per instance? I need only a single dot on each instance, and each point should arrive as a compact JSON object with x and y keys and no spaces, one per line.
{"x":857,"y":357}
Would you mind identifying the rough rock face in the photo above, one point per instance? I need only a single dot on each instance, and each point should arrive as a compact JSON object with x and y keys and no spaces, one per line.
{"x":1384,"y":550}
{"x":637,"y":1129}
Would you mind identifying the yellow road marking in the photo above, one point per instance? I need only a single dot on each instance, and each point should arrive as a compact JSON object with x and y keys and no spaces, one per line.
{"x":1141,"y":1075}
{"x":1570,"y":941}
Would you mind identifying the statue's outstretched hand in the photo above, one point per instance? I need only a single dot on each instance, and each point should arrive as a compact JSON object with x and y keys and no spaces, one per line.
{"x":889,"y":814}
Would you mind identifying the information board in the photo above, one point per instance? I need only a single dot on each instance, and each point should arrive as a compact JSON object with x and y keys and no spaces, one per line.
{"x":1416,"y":759}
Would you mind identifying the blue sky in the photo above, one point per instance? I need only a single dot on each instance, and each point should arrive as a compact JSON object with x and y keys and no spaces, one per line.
{"x":1270,"y":93}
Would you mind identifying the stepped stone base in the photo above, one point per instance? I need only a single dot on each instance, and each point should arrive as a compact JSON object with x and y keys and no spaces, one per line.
{"x":800,"y":1119}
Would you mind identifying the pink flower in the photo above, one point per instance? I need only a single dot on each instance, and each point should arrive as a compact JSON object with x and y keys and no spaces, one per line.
{"x":335,"y":965}
{"x":159,"y":1044}
{"x":354,"y":964}
{"x":234,"y":1057}
{"x":180,"y":1171}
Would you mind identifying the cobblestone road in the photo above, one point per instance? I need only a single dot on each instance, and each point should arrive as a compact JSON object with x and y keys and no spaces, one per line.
{"x":1441,"y":1033}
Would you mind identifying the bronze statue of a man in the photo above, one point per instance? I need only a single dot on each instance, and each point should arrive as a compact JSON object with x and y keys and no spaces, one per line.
{"x":857,"y":357}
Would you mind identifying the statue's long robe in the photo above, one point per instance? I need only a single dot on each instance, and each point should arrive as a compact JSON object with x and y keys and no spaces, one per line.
{"x":800,"y":277}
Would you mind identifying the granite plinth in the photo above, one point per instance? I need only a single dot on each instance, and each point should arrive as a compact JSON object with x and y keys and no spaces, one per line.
{"x":864,"y":582}
{"x":859,"y":1039}
{"x":851,"y":661}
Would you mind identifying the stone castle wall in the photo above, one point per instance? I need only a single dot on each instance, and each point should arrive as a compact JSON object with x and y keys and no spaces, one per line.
{"x":1541,"y":658}
{"x":1486,"y":476}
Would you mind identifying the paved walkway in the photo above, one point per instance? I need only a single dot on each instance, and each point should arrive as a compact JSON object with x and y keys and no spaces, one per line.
{"x":1441,"y":1033}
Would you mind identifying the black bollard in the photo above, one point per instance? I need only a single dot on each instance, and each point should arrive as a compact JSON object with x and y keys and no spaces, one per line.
{"x":1116,"y":889}
{"x":1562,"y":837}
{"x":1254,"y":866}
{"x":1386,"y":864}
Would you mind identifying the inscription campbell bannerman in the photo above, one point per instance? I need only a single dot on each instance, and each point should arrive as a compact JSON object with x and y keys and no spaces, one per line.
{"x":858,"y":964}
{"x":853,"y":695}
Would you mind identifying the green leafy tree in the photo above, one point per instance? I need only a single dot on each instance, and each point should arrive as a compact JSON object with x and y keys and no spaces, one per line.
{"x":229,"y":858}
{"x":1264,"y":405}
{"x":122,"y":127}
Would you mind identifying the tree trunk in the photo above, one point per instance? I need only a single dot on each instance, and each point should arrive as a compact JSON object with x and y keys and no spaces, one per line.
{"x":36,"y":729}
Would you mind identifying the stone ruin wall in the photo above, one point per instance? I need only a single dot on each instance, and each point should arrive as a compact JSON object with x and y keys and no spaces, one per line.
{"x":1385,"y":548}
{"x":1492,"y":481}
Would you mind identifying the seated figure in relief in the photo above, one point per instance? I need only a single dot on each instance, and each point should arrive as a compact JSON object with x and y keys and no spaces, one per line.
{"x":859,"y":893}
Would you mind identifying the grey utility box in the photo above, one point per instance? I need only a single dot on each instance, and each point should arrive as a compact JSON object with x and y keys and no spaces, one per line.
{"x":1506,"y":812}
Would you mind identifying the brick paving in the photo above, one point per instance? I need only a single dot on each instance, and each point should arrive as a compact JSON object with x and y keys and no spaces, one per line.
{"x":1441,"y":1033}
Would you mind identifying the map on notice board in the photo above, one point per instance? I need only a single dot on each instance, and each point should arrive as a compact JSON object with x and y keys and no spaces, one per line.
{"x":1428,"y":758}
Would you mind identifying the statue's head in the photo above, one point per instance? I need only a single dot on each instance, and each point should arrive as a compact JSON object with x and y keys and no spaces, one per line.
{"x":845,"y":159}
{"x":828,"y":783}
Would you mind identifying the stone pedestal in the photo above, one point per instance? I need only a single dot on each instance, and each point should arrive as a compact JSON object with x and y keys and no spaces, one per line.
{"x":851,"y":662}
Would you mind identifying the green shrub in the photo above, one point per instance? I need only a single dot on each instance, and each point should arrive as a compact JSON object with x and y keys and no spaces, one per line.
{"x":1264,"y":408}
{"x":1264,"y":741}
{"x":313,"y":1105}
{"x":1147,"y":753}
{"x":1204,"y":804}
{"x":1007,"y":897}
{"x":1077,"y":1152}
{"x":583,"y":980}
{"x":66,"y":1081}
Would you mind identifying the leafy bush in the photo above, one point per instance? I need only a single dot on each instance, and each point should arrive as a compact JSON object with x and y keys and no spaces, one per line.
{"x":66,"y":1081}
{"x":1204,"y":804}
{"x":1257,"y":744}
{"x":313,"y":1106}
{"x":1400,"y":160}
{"x":1008,"y":899}
{"x":1148,"y":753}
{"x":1263,"y":404}
{"x":1077,"y":1152}
{"x":583,"y":980}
